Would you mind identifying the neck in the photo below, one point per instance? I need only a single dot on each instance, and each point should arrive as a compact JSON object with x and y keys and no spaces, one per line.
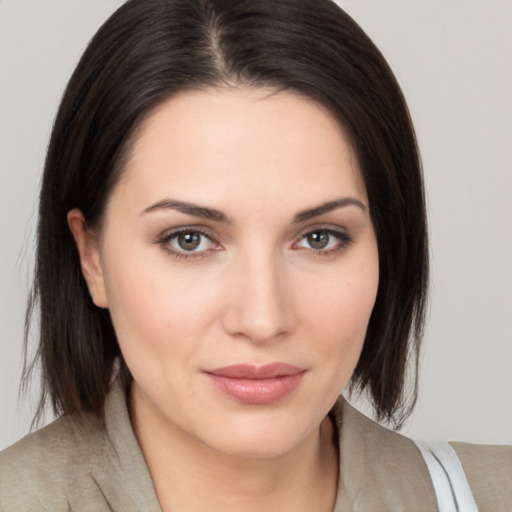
{"x":191,"y":476}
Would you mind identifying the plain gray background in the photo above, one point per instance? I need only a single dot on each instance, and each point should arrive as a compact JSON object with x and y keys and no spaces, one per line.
{"x":453,"y":59}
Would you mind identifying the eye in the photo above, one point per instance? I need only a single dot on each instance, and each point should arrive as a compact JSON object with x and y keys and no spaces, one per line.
{"x":323,"y":240}
{"x":187,"y":242}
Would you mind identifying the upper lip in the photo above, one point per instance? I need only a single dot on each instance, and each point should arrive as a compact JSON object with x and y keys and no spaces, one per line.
{"x":253,"y":371}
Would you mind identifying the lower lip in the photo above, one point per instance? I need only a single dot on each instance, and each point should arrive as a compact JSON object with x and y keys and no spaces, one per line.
{"x":257,"y":391}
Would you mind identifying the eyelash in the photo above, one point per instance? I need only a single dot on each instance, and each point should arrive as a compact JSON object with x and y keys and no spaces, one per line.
{"x":344,"y":240}
{"x":164,"y":240}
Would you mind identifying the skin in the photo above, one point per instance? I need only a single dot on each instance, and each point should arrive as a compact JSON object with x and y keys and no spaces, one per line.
{"x":255,"y":290}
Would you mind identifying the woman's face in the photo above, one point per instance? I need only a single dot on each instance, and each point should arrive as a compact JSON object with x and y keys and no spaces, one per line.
{"x":240,"y":268}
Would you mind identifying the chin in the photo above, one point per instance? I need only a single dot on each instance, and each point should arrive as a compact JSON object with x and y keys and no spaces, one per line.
{"x":258,"y":436}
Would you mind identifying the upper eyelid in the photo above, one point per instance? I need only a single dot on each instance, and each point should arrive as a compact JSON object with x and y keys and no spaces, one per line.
{"x":164,"y":241}
{"x":169,"y":233}
{"x":344,"y":237}
{"x":328,"y":228}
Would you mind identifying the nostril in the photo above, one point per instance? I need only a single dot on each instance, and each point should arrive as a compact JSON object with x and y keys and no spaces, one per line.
{"x":259,"y":310}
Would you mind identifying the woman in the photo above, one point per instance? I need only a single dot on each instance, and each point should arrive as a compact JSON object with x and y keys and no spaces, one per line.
{"x":232,"y":229}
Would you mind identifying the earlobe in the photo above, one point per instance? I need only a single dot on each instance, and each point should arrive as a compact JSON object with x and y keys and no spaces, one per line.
{"x":90,"y":262}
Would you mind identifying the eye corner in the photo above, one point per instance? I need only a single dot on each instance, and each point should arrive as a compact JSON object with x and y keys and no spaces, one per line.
{"x":328,"y":241}
{"x":199,"y":244}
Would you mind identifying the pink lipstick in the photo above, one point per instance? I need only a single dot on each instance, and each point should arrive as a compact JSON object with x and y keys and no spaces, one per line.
{"x":251,"y":384}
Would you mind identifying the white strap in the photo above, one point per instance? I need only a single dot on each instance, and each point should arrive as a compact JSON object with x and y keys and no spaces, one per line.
{"x":450,"y":483}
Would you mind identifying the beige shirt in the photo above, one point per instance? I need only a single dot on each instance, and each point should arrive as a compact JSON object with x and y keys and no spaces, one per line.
{"x":74,"y":464}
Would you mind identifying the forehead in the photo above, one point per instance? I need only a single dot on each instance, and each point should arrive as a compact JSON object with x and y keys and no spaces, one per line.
{"x":212,"y":144}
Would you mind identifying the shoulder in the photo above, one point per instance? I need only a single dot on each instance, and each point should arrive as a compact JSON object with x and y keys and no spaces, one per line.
{"x":41,"y":470}
{"x":388,"y":448}
{"x":79,"y":463}
{"x":488,"y":469}
{"x":380,"y":469}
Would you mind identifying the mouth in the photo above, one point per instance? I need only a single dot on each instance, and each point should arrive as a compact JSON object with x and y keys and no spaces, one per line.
{"x":257,"y":385}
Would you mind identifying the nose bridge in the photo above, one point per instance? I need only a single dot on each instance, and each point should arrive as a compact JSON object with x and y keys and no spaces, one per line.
{"x":260,"y":306}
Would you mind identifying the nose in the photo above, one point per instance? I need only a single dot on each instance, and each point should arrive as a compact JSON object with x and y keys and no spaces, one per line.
{"x":260,"y":306}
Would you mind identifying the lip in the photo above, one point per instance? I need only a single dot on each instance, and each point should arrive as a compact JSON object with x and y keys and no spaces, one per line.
{"x":257,"y":385}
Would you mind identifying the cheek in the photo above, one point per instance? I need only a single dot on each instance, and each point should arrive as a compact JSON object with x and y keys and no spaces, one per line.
{"x":156,"y":309}
{"x":339,"y":313}
{"x":345,"y":303}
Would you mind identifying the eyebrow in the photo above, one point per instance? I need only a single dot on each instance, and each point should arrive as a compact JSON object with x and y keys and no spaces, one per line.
{"x":310,"y":213}
{"x":216,"y":215}
{"x":188,"y":209}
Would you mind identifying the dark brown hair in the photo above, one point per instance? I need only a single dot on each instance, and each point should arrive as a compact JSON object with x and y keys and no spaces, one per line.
{"x":146,"y":52}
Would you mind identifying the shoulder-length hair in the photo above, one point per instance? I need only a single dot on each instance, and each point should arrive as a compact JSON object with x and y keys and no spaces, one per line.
{"x":148,"y":51}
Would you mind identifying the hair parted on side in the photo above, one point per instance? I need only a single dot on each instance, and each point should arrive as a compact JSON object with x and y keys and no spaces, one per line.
{"x":146,"y":52}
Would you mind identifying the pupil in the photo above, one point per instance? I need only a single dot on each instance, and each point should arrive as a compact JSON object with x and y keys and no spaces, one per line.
{"x":189,"y":241}
{"x":318,"y":239}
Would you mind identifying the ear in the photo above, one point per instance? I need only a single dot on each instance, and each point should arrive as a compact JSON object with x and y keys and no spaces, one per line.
{"x":90,"y":262}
